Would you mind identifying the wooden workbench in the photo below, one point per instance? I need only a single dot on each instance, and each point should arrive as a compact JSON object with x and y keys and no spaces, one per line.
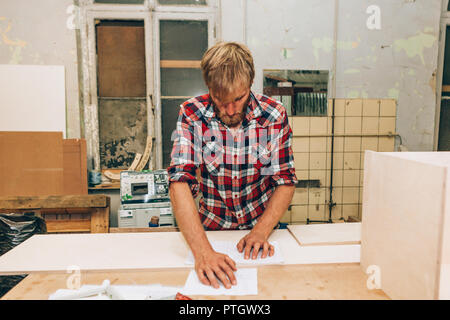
{"x":64,"y":213}
{"x":290,"y":282}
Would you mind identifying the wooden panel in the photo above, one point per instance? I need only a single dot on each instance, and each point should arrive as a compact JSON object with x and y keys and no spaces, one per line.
{"x":121,"y":61}
{"x":31,"y":163}
{"x":75,"y":166}
{"x":402,"y":219}
{"x":49,"y":202}
{"x":180,"y":64}
{"x":145,"y":250}
{"x":444,"y":281}
{"x":274,"y":283}
{"x":73,"y":225}
{"x":132,"y":230}
{"x":326,"y":234}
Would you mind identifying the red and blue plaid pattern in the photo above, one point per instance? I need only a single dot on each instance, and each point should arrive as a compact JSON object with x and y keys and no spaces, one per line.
{"x":239,"y":172}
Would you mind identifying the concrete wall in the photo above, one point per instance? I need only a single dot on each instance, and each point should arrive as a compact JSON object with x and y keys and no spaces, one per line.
{"x":398,"y":61}
{"x":35,"y":32}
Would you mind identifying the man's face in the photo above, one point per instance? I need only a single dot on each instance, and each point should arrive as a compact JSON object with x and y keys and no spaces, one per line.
{"x":231,"y":108}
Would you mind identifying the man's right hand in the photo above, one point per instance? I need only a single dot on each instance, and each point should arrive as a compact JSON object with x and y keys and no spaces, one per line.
{"x":213,"y":265}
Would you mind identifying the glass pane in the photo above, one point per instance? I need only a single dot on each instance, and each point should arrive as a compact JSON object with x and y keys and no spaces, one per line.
{"x":182,"y":2}
{"x":123,"y":131}
{"x":303,"y":92}
{"x":120,"y":1}
{"x":183,"y":40}
{"x":121,"y":59}
{"x":311,"y":104}
{"x":182,"y":82}
{"x":169,"y":116}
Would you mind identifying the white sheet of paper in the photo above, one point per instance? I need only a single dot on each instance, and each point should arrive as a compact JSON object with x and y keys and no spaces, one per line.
{"x":247,"y":284}
{"x":229,"y":248}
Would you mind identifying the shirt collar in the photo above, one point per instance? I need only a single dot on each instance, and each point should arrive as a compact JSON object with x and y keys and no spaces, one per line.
{"x":253,"y":110}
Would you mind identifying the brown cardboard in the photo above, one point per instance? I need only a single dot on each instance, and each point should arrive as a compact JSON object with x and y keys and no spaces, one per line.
{"x":75,"y":167}
{"x":31,"y":163}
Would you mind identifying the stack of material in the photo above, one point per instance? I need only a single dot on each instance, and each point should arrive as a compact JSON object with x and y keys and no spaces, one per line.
{"x":42,"y":163}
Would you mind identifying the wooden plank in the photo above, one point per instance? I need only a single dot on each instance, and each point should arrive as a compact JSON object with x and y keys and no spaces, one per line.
{"x":145,"y":250}
{"x":353,"y":219}
{"x":326,"y":234}
{"x":445,"y":88}
{"x":191,"y":64}
{"x":402,"y":221}
{"x":74,"y":225}
{"x":48,"y":202}
{"x":75,"y":166}
{"x":31,"y":163}
{"x":335,"y":282}
{"x":131,"y":230}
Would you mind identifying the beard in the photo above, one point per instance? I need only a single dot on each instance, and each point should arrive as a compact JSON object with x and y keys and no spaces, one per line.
{"x":234,"y":120}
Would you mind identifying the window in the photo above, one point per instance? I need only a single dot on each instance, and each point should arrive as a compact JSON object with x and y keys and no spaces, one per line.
{"x":121,"y":91}
{"x":120,"y":1}
{"x":182,"y":2}
{"x":302,"y":92}
{"x":182,"y":45}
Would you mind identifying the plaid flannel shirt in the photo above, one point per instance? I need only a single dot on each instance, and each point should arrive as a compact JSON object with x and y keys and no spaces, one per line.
{"x":238,"y":173}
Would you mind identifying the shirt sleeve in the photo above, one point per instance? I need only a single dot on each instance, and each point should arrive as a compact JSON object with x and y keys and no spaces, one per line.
{"x":283,"y":170}
{"x":185,"y":152}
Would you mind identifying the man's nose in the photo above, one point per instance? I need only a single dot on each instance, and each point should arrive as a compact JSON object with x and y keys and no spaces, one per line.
{"x":230,"y":109}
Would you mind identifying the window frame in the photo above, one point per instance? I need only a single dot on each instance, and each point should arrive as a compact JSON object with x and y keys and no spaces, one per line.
{"x":164,"y":14}
{"x":89,"y":12}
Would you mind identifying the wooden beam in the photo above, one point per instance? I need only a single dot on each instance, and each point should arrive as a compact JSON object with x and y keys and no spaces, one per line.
{"x":49,"y":202}
{"x":54,"y":226}
{"x":192,"y":64}
{"x":446,"y":88}
{"x":132,"y":230}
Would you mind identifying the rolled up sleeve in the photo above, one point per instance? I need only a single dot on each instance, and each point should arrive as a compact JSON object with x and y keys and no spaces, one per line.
{"x":185,"y":153}
{"x":283,"y":170}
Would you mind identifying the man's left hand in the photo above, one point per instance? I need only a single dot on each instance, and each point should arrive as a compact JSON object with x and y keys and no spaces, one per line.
{"x":256,"y":241}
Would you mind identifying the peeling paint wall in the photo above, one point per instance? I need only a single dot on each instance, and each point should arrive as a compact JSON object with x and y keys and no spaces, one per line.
{"x":36,"y":33}
{"x":123,"y":131}
{"x":398,"y":61}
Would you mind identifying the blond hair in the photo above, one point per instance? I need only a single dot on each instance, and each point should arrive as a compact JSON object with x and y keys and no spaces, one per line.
{"x":227,"y":65}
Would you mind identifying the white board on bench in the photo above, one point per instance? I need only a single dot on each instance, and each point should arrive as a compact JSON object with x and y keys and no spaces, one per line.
{"x":327,"y":234}
{"x":144,"y":251}
{"x":405,"y":228}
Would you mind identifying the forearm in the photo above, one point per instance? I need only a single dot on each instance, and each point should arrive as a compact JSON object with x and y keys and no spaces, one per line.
{"x":276,"y":207}
{"x":187,"y":217}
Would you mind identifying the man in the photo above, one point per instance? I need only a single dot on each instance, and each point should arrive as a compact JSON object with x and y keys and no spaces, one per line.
{"x":241,"y":143}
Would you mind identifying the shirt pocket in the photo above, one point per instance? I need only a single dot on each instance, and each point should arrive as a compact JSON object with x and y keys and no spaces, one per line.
{"x":212,"y":159}
{"x":253,"y":173}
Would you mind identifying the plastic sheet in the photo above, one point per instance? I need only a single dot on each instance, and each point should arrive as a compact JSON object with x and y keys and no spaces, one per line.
{"x":15,"y":229}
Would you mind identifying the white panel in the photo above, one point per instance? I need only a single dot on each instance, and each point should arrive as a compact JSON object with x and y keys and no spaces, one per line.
{"x":402,"y":219}
{"x":143,"y":251}
{"x":444,"y":285}
{"x":330,"y":233}
{"x":32,"y":98}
